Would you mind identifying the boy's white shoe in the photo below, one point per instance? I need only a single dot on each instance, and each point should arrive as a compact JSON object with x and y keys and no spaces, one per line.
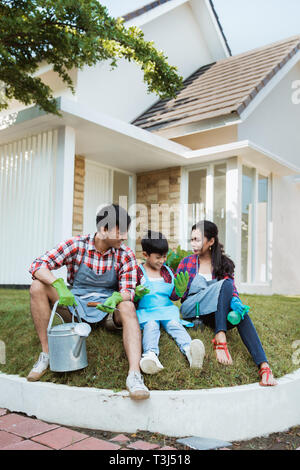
{"x":136,"y":387}
{"x":195,"y":354}
{"x":39,"y":368}
{"x":150,"y":363}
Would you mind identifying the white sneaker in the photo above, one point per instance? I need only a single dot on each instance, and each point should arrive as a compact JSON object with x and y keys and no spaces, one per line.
{"x":136,"y":387}
{"x":150,"y":363}
{"x":195,"y":354}
{"x":39,"y":368}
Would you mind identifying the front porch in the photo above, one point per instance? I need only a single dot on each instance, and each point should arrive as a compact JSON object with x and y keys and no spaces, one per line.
{"x":87,"y":159}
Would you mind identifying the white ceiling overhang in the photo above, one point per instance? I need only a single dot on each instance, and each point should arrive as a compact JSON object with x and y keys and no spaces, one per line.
{"x":112,"y":142}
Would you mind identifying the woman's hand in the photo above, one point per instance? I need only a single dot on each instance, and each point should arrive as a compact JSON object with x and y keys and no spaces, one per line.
{"x":181,"y":283}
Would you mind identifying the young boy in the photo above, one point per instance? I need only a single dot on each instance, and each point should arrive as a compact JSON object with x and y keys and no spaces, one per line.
{"x":155,"y":286}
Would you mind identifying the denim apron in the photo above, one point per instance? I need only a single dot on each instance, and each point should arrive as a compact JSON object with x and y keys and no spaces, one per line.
{"x":157,"y":305}
{"x":91,"y":287}
{"x":202,"y":292}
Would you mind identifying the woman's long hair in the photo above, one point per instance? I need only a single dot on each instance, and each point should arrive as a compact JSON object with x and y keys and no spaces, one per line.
{"x":222,"y":264}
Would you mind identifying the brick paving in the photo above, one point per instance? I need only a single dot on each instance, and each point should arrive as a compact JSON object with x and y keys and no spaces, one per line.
{"x":18,"y":432}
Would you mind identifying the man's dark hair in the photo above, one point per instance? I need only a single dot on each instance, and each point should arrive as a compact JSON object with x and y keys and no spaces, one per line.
{"x":113,"y":216}
{"x":155,"y":242}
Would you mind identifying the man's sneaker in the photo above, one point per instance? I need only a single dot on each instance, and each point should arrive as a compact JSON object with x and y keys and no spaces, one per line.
{"x":39,"y":368}
{"x":136,"y":387}
{"x":195,"y":354}
{"x":150,"y":363}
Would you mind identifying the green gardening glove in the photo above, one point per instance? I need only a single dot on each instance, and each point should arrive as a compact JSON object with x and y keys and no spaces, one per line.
{"x":65,"y":295}
{"x":140,"y":291}
{"x":181,"y":283}
{"x":111,"y":303}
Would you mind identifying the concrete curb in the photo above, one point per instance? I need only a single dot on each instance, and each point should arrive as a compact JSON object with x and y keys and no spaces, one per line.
{"x":231,"y":413}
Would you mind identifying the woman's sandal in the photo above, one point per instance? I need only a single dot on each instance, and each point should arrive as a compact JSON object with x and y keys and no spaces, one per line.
{"x":268,"y":371}
{"x":222,"y":346}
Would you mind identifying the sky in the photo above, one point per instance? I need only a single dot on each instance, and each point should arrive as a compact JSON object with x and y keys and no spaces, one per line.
{"x":246,"y":23}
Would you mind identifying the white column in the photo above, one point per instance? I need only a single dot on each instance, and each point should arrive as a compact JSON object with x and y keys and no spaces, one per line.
{"x":64,"y":183}
{"x":210,"y":193}
{"x":234,"y":212}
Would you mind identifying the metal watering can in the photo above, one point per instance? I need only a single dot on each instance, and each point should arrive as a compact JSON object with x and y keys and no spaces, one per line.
{"x":67,"y":348}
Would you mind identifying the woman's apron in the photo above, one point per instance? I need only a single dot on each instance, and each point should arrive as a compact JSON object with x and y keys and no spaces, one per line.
{"x":204,"y":293}
{"x":91,"y":287}
{"x":157,"y":305}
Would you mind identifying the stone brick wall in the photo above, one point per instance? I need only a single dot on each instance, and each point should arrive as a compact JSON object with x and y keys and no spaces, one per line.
{"x":79,"y":173}
{"x":159,"y":191}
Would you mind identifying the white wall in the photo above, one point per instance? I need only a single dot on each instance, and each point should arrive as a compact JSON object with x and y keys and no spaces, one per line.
{"x":121,"y":92}
{"x":286,"y":228}
{"x":274,"y":124}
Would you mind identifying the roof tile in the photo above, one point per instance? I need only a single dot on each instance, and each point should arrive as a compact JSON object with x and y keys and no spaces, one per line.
{"x":224,"y":87}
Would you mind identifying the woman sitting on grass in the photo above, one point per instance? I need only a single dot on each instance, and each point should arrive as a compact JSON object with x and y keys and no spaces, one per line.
{"x":211,"y":294}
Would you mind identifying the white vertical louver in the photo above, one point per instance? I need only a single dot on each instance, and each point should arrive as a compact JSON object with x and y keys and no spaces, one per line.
{"x":98,"y":190}
{"x":27,"y":197}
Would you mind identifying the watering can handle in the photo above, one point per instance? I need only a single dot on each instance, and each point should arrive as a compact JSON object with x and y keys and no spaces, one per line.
{"x":55,"y":312}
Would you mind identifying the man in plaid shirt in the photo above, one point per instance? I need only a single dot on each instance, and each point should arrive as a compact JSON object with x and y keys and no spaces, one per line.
{"x":99,"y":265}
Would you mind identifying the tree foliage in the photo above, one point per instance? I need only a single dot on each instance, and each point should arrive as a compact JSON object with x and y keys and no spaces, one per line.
{"x":68,"y":34}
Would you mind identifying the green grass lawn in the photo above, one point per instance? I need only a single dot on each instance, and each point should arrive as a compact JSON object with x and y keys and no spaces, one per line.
{"x":277,"y":320}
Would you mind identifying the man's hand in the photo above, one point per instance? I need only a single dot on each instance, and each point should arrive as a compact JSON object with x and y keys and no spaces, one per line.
{"x":140,"y":291}
{"x":111,"y":303}
{"x":65,"y":295}
{"x":237,"y":306}
{"x":181,"y":283}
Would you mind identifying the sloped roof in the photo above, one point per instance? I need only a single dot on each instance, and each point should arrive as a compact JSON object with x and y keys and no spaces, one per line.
{"x":219,"y":89}
{"x":150,"y":6}
{"x":144,"y":9}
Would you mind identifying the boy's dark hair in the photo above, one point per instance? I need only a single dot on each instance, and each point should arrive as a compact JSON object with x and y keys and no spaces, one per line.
{"x":155,"y":242}
{"x":112,"y":216}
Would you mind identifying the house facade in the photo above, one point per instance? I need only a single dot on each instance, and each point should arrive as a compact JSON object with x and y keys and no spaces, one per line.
{"x":225,"y":149}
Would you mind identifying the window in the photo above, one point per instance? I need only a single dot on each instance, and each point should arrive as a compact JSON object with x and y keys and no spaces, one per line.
{"x":262,"y":232}
{"x":196,"y":197}
{"x":247,"y":222}
{"x":254,"y":236}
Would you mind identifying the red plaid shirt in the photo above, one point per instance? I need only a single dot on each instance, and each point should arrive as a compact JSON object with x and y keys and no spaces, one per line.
{"x":71,"y":253}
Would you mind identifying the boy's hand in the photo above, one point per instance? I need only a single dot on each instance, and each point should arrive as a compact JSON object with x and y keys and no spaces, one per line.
{"x":237,"y":306}
{"x":140,"y":291}
{"x":66,"y":297}
{"x":111,"y":303}
{"x":181,"y":283}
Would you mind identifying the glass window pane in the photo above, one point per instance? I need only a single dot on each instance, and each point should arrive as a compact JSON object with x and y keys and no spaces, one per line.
{"x":196,"y":198}
{"x":247,"y":223}
{"x":262,"y":223}
{"x":220,"y":200}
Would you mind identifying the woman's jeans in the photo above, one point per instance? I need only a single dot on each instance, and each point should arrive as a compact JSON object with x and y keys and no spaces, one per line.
{"x":151,"y":335}
{"x":218,"y":321}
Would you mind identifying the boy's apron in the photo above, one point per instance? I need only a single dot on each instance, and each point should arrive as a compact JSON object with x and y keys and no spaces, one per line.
{"x":91,"y":287}
{"x":157,"y":305}
{"x":202,"y":292}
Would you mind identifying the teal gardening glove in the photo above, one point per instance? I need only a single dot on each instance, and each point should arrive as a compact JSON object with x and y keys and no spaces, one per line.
{"x":181,"y":283}
{"x":140,"y":291}
{"x":66,"y":297}
{"x":111,"y":303}
{"x":238,"y":312}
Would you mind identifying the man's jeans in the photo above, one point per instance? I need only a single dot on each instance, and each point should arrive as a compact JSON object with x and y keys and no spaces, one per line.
{"x":151,"y":335}
{"x":218,"y":321}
